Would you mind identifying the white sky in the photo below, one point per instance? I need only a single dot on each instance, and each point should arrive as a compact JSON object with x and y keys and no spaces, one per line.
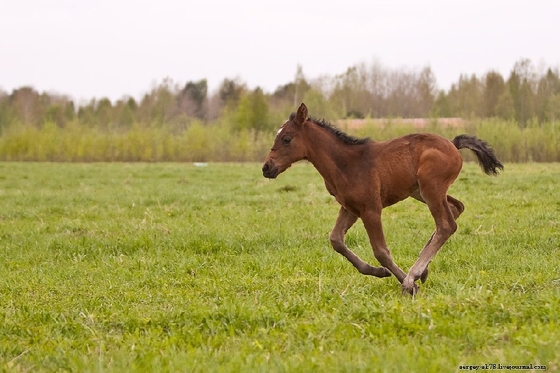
{"x":113,"y":48}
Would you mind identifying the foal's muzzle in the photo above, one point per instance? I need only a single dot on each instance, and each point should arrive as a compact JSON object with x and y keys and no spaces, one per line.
{"x":269,"y":171}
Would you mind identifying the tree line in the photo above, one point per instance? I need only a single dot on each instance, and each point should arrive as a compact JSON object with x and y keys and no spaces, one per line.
{"x":364,"y":90}
{"x":236,"y":123}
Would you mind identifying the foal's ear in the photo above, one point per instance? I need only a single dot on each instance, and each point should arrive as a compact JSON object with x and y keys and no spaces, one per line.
{"x":301,"y":115}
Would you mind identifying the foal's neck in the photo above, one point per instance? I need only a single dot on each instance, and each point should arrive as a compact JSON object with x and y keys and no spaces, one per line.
{"x":332,"y":158}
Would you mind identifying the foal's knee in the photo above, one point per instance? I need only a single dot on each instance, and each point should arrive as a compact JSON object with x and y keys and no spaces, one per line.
{"x":337,"y":242}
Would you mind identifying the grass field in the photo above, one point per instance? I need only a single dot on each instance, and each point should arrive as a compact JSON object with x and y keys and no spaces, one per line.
{"x":170,"y":267}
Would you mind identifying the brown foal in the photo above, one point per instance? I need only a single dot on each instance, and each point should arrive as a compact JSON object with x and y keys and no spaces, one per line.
{"x":365,"y":176}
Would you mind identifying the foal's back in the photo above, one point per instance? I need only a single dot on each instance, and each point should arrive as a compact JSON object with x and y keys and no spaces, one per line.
{"x":413,"y":146}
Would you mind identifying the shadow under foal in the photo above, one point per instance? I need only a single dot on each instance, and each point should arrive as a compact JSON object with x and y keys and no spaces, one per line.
{"x":365,"y":176}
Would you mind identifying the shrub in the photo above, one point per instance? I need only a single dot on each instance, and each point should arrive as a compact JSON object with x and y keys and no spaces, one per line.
{"x":221,"y":142}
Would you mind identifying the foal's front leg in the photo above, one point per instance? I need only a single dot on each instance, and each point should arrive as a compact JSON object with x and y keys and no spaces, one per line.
{"x":374,"y":228}
{"x":344,"y":221}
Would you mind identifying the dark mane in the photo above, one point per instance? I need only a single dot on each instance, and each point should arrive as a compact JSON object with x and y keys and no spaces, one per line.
{"x":346,"y":138}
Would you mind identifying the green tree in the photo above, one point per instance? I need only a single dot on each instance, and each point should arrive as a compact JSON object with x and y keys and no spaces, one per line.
{"x":465,"y":97}
{"x":520,"y":84}
{"x":494,"y":87}
{"x":553,"y":110}
{"x":193,"y":98}
{"x":252,"y":111}
{"x":442,"y":107}
{"x":125,"y":113}
{"x":87,"y":115}
{"x":56,"y":113}
{"x":161,"y":103}
{"x":230,"y":91}
{"x":6,"y":111}
{"x":504,"y":107}
{"x":548,"y":86}
{"x":321,"y":108}
{"x":104,"y":113}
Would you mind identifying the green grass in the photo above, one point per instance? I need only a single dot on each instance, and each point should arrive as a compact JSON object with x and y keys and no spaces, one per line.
{"x":170,"y":267}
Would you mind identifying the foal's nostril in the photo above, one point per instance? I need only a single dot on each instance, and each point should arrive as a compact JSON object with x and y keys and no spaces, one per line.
{"x":265,"y":167}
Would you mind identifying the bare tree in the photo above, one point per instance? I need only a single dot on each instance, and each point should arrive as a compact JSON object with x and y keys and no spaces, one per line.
{"x":426,"y":89}
{"x":27,"y":103}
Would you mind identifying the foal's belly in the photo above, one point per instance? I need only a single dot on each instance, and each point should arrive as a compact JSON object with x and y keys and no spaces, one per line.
{"x":391,"y":199}
{"x":398,"y":190}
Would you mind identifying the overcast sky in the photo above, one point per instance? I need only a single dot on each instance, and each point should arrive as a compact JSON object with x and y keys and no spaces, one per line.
{"x":113,"y":48}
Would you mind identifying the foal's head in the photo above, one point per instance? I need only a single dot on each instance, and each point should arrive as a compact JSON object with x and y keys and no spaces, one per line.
{"x":289,"y":146}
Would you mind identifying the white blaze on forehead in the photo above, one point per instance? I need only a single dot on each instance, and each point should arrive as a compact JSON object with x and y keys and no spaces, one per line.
{"x":280,"y":130}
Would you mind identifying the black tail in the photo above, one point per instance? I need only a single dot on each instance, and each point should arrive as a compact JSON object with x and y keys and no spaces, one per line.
{"x":485,"y":154}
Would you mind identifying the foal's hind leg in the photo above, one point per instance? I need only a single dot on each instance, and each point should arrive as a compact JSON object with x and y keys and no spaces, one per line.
{"x":344,"y":221}
{"x":434,"y":178}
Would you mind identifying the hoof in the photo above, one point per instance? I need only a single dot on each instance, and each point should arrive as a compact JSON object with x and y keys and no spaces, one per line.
{"x":411,"y":291}
{"x":409,"y":287}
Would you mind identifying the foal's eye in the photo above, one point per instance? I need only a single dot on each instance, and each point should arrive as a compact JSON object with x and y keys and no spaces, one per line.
{"x":286,"y":140}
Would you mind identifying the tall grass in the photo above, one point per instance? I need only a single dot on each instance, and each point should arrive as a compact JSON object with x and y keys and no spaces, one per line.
{"x":78,"y":143}
{"x":219,"y":142}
